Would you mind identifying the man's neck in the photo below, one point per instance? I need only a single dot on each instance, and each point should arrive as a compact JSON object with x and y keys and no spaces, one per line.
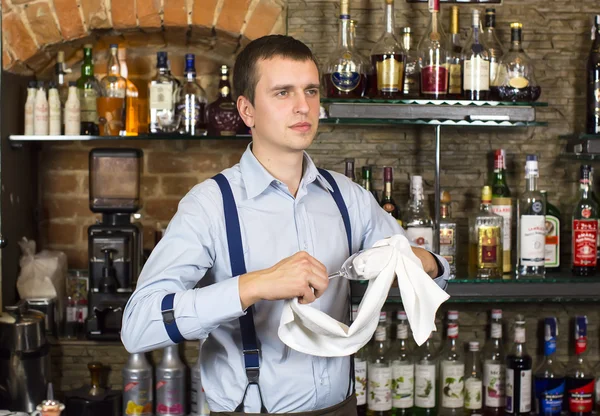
{"x":284,"y":166}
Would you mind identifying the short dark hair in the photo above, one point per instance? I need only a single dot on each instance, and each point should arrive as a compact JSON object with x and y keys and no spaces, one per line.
{"x":245,"y":77}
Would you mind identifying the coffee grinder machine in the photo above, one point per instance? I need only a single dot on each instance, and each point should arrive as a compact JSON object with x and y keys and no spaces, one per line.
{"x":115,"y":243}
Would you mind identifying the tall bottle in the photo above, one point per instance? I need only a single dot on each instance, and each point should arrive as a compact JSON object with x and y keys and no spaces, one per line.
{"x":192,"y":104}
{"x":345,"y":74}
{"x":388,"y":58}
{"x":379,"y":370}
{"x":360,"y":373}
{"x":448,"y":234}
{"x":199,"y":405}
{"x":485,"y":240}
{"x":593,"y":82}
{"x":60,"y":71}
{"x":367,"y":181}
{"x":418,"y":222}
{"x":222,"y":114}
{"x":580,"y":375}
{"x":138,"y":391}
{"x":433,"y":56}
{"x":518,"y":374}
{"x":549,"y":378}
{"x":476,"y":69}
{"x":387,"y":202}
{"x":531,"y":226}
{"x":349,"y":171}
{"x":111,"y":103}
{"x":89,"y":91}
{"x":426,"y":360}
{"x":40,"y":111}
{"x":29,"y":108}
{"x":132,"y":118}
{"x":403,"y":369}
{"x":170,"y":384}
{"x":412,"y":75}
{"x":473,"y":382}
{"x":494,"y":369}
{"x":585,"y":228}
{"x":494,"y":46}
{"x":54,"y":110}
{"x":502,"y":205}
{"x":455,"y":60}
{"x":552,"y":247}
{"x":72,"y":111}
{"x":452,"y":372}
{"x":164,"y":91}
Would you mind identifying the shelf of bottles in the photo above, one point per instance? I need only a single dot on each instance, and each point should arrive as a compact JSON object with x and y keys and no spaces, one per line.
{"x":19,"y":139}
{"x":582,"y":146}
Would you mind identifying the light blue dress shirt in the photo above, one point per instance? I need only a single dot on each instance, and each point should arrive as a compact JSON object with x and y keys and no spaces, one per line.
{"x":192,"y":261}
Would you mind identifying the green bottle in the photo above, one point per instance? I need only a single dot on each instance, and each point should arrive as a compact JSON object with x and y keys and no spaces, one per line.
{"x":89,"y":91}
{"x":502,"y":205}
{"x":367,"y":181}
{"x":552,"y":235}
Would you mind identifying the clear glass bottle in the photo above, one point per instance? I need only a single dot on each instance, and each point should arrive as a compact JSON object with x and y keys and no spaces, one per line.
{"x":360,"y":373}
{"x":60,"y":72}
{"x":518,"y":374}
{"x":452,"y":372}
{"x":502,"y":204}
{"x":403,"y":369}
{"x":485,"y":235}
{"x":515,"y":80}
{"x":89,"y":91}
{"x":426,"y":379}
{"x":580,"y":375}
{"x":476,"y":64}
{"x":418,"y":222}
{"x":367,"y":181}
{"x":473,"y":382}
{"x":192,"y":103}
{"x":552,"y":246}
{"x":494,"y":369}
{"x":387,"y":201}
{"x":111,"y":103}
{"x":549,"y":377}
{"x":349,"y":171}
{"x":388,"y":58}
{"x":345,"y":74}
{"x":448,"y":234}
{"x":379,"y":370}
{"x":433,"y":56}
{"x":132,"y":109}
{"x":163,"y":91}
{"x":412,"y":74}
{"x":531,"y":236}
{"x":494,"y":46}
{"x":593,"y":81}
{"x":455,"y":59}
{"x":222,"y":114}
{"x":585,"y":228}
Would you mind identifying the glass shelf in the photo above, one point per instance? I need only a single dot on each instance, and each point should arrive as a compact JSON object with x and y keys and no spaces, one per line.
{"x":433,"y":102}
{"x":580,"y":136}
{"x":21,"y":138}
{"x":390,"y":122}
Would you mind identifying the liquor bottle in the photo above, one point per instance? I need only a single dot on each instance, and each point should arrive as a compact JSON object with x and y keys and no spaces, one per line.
{"x":518,"y":373}
{"x":476,"y":61}
{"x":29,"y":107}
{"x":138,"y":391}
{"x":223,"y":117}
{"x":60,"y":70}
{"x":132,"y":109}
{"x":163,"y":92}
{"x":349,"y":172}
{"x":387,"y":202}
{"x":425,"y":379}
{"x":585,"y":228}
{"x":403,"y":369}
{"x":54,"y":112}
{"x":494,"y":369}
{"x":199,"y":405}
{"x":367,"y":181}
{"x":433,"y":56}
{"x":473,"y":382}
{"x":170,"y":383}
{"x":531,"y":219}
{"x":502,"y":205}
{"x":485,"y":234}
{"x":452,"y":372}
{"x":549,"y":378}
{"x":494,"y":46}
{"x":192,"y":103}
{"x":89,"y":91}
{"x":72,"y":112}
{"x":379,"y":370}
{"x":455,"y":60}
{"x":580,"y":376}
{"x":515,"y":79}
{"x":593,"y":82}
{"x":345,"y":74}
{"x":418,"y":222}
{"x":595,"y":198}
{"x":448,"y":234}
{"x":552,"y":247}
{"x":412,"y":76}
{"x":111,"y":103}
{"x":388,"y":58}
{"x":360,"y":373}
{"x":40,"y":111}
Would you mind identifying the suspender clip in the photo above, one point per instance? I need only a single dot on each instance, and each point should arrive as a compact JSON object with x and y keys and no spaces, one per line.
{"x":252,"y":374}
{"x":168,"y":316}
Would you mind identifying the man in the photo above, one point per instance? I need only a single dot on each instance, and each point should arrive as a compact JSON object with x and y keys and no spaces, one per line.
{"x":293,"y":229}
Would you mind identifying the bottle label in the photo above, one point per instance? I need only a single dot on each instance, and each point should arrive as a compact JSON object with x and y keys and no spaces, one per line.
{"x":380,"y":333}
{"x":477,"y":75}
{"x":533,"y":240}
{"x":88,"y":106}
{"x":550,"y":400}
{"x":503,"y":206}
{"x":402,"y":331}
{"x":403,"y":379}
{"x":455,"y":79}
{"x":581,"y":397}
{"x":493,"y":381}
{"x":425,"y":386}
{"x":489,"y":243}
{"x":169,"y":397}
{"x":448,"y":244}
{"x":473,"y":394}
{"x":585,"y":235}
{"x":519,"y":402}
{"x":389,"y":74}
{"x":345,"y":81}
{"x":360,"y":381}
{"x":137,"y":396}
{"x":552,"y":248}
{"x":493,"y":72}
{"x":420,"y":236}
{"x":434,"y":79}
{"x":161,"y":96}
{"x":453,"y":393}
{"x":380,"y":388}
{"x":71,"y":314}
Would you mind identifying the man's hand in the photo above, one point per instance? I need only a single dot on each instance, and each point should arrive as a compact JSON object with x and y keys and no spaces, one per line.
{"x":429,"y":263}
{"x":300,"y":275}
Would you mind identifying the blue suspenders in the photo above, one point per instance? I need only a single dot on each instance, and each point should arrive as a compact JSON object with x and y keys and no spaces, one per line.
{"x":250,"y":346}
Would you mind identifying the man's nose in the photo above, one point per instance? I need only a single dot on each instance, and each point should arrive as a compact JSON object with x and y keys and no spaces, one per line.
{"x":301,"y":104}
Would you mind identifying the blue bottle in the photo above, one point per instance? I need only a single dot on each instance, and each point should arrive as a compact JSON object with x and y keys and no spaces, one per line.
{"x":549,"y":378}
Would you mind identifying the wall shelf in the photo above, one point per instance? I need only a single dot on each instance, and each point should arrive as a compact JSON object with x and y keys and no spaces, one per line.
{"x":582,"y":146}
{"x":18,"y":140}
{"x":450,"y":123}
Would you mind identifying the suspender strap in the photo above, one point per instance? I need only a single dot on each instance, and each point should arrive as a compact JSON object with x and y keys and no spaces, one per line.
{"x":250,"y":347}
{"x":339,"y":200}
{"x":168,"y":314}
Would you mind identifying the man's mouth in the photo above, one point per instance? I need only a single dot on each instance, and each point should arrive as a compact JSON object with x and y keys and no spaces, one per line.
{"x":301,"y":127}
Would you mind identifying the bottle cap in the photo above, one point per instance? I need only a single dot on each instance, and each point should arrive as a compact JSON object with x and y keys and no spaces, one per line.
{"x":387,"y":174}
{"x":366,"y":172}
{"x":490,"y":10}
{"x":60,"y":57}
{"x":496,"y":313}
{"x":382,"y":316}
{"x":114,"y":46}
{"x":401,"y":316}
{"x":72,"y":84}
{"x":88,"y":46}
{"x":453,"y":315}
{"x":52,"y":85}
{"x":550,"y":328}
{"x":474,"y":346}
{"x":586,"y":171}
{"x":516,"y":26}
{"x":40,"y":84}
{"x":475,"y":20}
{"x":32,"y":84}
{"x":486,"y":194}
{"x":406,"y":30}
{"x":531,"y":167}
{"x":520,"y":320}
{"x":445,"y":197}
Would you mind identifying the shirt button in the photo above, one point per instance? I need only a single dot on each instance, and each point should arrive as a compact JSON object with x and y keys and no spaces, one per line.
{"x":322,"y":381}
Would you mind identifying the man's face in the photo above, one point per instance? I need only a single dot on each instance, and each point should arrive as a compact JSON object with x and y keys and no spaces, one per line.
{"x":286,"y":103}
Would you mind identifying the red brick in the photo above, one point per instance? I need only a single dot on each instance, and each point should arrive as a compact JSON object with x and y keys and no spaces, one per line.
{"x":203,"y":12}
{"x":161,"y":209}
{"x":142,"y":39}
{"x":17,"y":35}
{"x":67,"y":207}
{"x":172,"y":162}
{"x":65,"y":159}
{"x":69,"y":19}
{"x":149,"y":186}
{"x":232,"y":15}
{"x":123,"y":16}
{"x":95,"y":14}
{"x":61,"y":233}
{"x":54,"y":183}
{"x":175,"y":13}
{"x":42,"y":23}
{"x":148,"y":13}
{"x":263,"y":19}
{"x":178,"y":185}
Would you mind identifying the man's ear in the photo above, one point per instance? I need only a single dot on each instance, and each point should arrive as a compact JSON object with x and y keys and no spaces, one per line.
{"x":246,"y":110}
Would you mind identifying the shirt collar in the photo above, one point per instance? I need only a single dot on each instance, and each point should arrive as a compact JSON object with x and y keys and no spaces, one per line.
{"x":256,"y":178}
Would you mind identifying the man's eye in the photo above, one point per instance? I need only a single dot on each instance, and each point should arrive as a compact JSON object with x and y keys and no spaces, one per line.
{"x":312,"y":93}
{"x":282,"y":93}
